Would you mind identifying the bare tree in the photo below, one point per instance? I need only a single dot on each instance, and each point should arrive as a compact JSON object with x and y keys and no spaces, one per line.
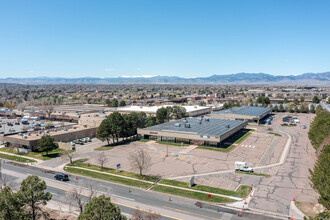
{"x":140,"y":161}
{"x":78,"y":192}
{"x":48,"y":107}
{"x":69,"y":154}
{"x":102,"y":159}
{"x":138,"y":214}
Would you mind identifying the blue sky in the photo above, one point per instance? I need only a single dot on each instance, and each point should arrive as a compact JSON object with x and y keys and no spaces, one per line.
{"x":67,"y":38}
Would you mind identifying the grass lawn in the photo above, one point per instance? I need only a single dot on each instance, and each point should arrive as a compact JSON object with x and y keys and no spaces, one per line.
{"x":37,"y":155}
{"x":191,"y":194}
{"x":15,"y":158}
{"x":241,"y":192}
{"x":80,"y":163}
{"x":170,"y":143}
{"x":222,"y":149}
{"x":256,"y":174}
{"x":106,"y":177}
{"x":242,"y":138}
{"x":276,"y":134}
{"x":104,"y":148}
{"x":143,"y":140}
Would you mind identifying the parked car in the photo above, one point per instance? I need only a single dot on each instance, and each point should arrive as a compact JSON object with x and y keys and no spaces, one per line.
{"x":25,"y":122}
{"x":284,"y":124}
{"x":10,"y":124}
{"x":61,"y":176}
{"x":304,"y":127}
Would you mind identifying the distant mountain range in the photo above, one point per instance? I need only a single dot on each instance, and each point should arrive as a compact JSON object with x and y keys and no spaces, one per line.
{"x":238,"y":78}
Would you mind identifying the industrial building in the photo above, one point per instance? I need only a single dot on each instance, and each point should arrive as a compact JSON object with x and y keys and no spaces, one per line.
{"x":198,"y":131}
{"x":30,"y":139}
{"x":243,"y":113}
{"x":192,"y":111}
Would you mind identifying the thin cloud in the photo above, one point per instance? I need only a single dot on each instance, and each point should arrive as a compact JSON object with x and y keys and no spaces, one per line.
{"x":106,"y":69}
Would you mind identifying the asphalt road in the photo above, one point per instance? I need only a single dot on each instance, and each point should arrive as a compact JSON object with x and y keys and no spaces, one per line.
{"x":177,"y":208}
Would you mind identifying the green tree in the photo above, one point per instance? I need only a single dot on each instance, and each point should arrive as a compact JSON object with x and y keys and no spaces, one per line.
{"x":46,"y":143}
{"x":320,"y":176}
{"x":225,"y":106}
{"x":108,"y":102}
{"x":320,"y":128}
{"x":281,"y":108}
{"x":122,"y":103}
{"x":202,"y":103}
{"x":114,"y":102}
{"x":177,"y":112}
{"x":302,"y":99}
{"x":32,"y":194}
{"x":312,"y":109}
{"x":101,"y":208}
{"x":104,"y":131}
{"x":150,"y":121}
{"x":161,"y":115}
{"x":296,"y":109}
{"x":117,"y":125}
{"x":10,"y":205}
{"x":316,"y":99}
{"x":275,"y":108}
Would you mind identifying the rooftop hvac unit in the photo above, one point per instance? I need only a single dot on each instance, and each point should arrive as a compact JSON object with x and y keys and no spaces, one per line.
{"x":207,"y":119}
{"x":24,"y":137}
{"x":187,"y":125}
{"x":177,"y":124}
{"x":185,"y":121}
{"x":227,"y":126}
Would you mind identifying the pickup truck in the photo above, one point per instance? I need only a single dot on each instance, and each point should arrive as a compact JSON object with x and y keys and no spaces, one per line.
{"x":241,"y":166}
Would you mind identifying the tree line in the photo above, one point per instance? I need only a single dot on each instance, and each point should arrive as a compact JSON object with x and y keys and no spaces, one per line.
{"x":320,"y":175}
{"x":117,"y":125}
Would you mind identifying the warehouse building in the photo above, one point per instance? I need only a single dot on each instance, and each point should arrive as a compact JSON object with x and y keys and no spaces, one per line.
{"x":192,"y":111}
{"x":198,"y":131}
{"x":243,"y":113}
{"x":29,"y":140}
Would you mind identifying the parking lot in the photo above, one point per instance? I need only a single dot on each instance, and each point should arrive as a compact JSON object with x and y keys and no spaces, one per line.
{"x":260,"y":148}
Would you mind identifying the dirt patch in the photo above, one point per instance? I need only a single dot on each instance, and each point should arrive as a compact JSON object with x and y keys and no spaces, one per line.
{"x":309,"y":209}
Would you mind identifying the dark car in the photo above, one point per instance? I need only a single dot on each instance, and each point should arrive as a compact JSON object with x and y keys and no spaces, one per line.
{"x":25,"y":122}
{"x":284,"y":124}
{"x":61,"y":176}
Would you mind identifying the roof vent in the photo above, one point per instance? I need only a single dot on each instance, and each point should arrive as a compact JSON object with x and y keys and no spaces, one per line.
{"x":185,"y":121}
{"x":187,"y":125}
{"x":177,"y":124}
{"x":207,"y":119}
{"x":227,"y":126}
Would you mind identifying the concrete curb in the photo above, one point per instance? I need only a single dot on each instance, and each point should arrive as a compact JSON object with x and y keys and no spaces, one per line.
{"x":295,"y":212}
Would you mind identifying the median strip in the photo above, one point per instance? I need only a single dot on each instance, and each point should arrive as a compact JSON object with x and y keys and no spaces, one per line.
{"x":168,"y":186}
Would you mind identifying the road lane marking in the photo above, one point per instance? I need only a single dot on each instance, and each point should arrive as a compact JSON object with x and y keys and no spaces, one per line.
{"x":179,"y":210}
{"x":117,"y":203}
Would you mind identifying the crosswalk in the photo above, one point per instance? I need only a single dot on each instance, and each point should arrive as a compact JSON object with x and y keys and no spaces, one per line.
{"x":248,"y":146}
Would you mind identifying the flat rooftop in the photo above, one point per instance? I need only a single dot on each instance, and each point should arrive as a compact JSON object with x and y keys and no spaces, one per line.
{"x":210,"y":126}
{"x":244,"y":110}
{"x":33,"y":134}
{"x":153,"y":109}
